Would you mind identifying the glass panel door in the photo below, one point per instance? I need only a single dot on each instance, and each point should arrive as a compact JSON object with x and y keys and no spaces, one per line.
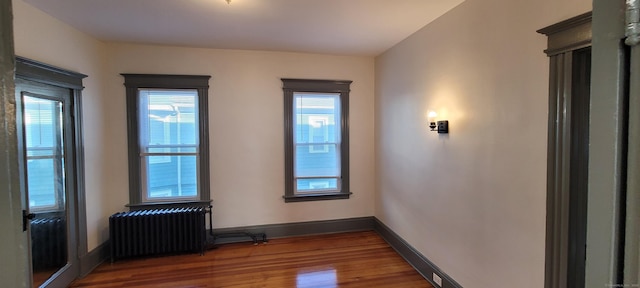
{"x":43,"y":120}
{"x":49,"y":149}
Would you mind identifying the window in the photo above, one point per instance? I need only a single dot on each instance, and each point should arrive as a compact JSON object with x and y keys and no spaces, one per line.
{"x":316,"y":139}
{"x":43,"y":136}
{"x":168,"y":143}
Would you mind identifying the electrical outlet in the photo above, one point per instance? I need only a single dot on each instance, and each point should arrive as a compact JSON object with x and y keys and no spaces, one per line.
{"x":437,"y":279}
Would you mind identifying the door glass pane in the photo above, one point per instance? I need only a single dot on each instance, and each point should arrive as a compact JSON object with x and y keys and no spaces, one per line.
{"x":43,"y":128}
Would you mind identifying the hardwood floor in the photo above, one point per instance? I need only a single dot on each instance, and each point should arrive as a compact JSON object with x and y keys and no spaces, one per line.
{"x":357,"y":259}
{"x":39,"y":277}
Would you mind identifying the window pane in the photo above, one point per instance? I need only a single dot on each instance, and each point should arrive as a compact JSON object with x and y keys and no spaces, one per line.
{"x":168,"y":117}
{"x":316,"y":134}
{"x":41,"y":182}
{"x":308,"y":163}
{"x":316,"y":184}
{"x":169,"y":125}
{"x":316,"y":118}
{"x":176,"y":177}
{"x":45,"y":159}
{"x":39,"y":117}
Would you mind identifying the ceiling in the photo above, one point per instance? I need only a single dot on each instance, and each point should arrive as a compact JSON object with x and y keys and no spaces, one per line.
{"x":343,"y":27}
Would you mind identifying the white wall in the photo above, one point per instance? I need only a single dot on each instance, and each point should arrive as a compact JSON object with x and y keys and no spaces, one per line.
{"x":472,"y":201}
{"x":246,"y":126}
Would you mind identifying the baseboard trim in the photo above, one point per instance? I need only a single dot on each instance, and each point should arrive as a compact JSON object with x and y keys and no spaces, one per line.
{"x":94,"y":258}
{"x":298,"y":229}
{"x":420,"y":263}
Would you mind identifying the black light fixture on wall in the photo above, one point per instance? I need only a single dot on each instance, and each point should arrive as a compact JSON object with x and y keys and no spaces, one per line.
{"x":442,"y":126}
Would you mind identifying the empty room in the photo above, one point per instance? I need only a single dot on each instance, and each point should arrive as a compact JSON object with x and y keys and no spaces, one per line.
{"x":320,"y":143}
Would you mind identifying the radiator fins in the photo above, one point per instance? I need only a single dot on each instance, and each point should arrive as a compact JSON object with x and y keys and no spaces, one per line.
{"x":157,"y":231}
{"x":49,"y":243}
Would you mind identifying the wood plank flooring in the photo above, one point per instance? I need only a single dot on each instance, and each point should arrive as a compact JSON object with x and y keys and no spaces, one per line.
{"x":357,"y":259}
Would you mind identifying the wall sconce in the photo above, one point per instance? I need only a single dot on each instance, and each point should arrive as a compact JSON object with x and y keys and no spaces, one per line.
{"x":441,"y":126}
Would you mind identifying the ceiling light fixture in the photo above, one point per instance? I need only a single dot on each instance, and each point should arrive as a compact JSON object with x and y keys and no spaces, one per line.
{"x":228,"y":1}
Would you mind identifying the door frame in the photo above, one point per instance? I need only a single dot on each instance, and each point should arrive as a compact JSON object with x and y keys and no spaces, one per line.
{"x":608,"y":146}
{"x":14,"y":272}
{"x":563,"y":38}
{"x":38,"y":72}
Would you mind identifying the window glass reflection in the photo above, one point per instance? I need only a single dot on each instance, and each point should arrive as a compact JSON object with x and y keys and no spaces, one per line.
{"x":325,"y":278}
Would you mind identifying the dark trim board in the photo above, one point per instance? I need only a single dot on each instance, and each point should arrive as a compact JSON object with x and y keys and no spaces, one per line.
{"x":94,"y":258}
{"x":44,"y":73}
{"x":298,"y":229}
{"x":425,"y":267}
{"x":568,"y":48}
{"x":571,"y":34}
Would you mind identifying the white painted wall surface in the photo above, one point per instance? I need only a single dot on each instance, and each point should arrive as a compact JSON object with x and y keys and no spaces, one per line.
{"x":472,"y":201}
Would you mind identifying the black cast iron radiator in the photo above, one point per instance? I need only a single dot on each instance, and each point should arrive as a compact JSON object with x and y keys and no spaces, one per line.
{"x":157,"y":231}
{"x":48,"y":243}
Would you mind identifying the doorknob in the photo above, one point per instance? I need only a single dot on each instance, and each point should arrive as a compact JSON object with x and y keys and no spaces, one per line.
{"x":25,"y":219}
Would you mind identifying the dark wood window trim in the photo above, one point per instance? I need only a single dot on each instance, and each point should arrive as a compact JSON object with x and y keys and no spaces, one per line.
{"x":290,"y":86}
{"x":134,"y":82}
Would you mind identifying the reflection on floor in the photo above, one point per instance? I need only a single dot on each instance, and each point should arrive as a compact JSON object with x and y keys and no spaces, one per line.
{"x":325,"y":278}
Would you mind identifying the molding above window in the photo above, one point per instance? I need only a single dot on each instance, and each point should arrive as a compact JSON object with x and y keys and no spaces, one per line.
{"x":166,"y":81}
{"x":571,"y":34}
{"x":326,"y":86}
{"x":43,"y":73}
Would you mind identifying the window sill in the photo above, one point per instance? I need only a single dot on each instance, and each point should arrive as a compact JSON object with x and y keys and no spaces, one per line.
{"x":316,"y":197}
{"x":161,"y":205}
